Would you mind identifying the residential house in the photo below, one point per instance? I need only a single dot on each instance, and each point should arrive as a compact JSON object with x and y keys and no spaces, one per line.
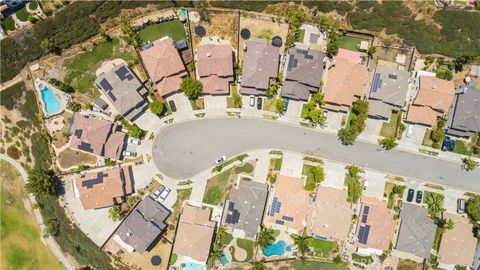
{"x":289,"y":206}
{"x":143,"y":226}
{"x":304,"y":73}
{"x":432,"y":100}
{"x":260,"y":67}
{"x":101,"y":189}
{"x":330,"y":215}
{"x":164,"y":67}
{"x":458,"y":245}
{"x":215,"y":68}
{"x":375,"y":226}
{"x":417,"y":231}
{"x":122,"y":89}
{"x":388,"y":92}
{"x":194,"y":236}
{"x":243,"y":212}
{"x":347,"y":81}
{"x":96,"y":136}
{"x":464,"y":117}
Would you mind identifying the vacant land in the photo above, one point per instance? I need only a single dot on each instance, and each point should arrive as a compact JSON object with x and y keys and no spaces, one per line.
{"x":217,"y":188}
{"x":173,"y":29}
{"x":20,"y":237}
{"x":72,"y":158}
{"x":222,"y":26}
{"x":408,"y":265}
{"x":390,"y":128}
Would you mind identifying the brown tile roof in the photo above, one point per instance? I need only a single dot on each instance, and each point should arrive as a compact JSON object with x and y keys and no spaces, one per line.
{"x":164,"y":66}
{"x":435,"y":93}
{"x":104,"y":188}
{"x":96,"y":136}
{"x":194,"y":234}
{"x":294,"y":200}
{"x":215,"y":67}
{"x":346,"y":82}
{"x":458,"y":244}
{"x":380,"y":222}
{"x":422,"y":115}
{"x":330,"y":214}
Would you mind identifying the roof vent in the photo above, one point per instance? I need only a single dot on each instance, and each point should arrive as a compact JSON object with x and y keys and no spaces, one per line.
{"x":209,"y":54}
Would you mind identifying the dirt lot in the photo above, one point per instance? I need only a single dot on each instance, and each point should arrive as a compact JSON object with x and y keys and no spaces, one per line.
{"x":389,"y":54}
{"x":70,"y":157}
{"x":59,"y":138}
{"x":262,"y":28}
{"x":221,"y":25}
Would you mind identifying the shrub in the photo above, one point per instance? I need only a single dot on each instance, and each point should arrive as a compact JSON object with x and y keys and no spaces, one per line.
{"x":191,"y":87}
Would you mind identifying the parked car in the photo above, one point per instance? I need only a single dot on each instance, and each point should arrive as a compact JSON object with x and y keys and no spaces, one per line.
{"x":164,"y":194}
{"x":133,"y":141}
{"x":173,"y":108}
{"x":461,"y":206}
{"x":285,"y":104}
{"x":259,"y":103}
{"x":252,"y":100}
{"x":411,"y":192}
{"x":409,"y":133}
{"x":129,"y":154}
{"x":448,"y":144}
{"x":157,"y":192}
{"x":221,"y":159}
{"x":419,"y":197}
{"x":325,"y":113}
{"x":365,"y":184}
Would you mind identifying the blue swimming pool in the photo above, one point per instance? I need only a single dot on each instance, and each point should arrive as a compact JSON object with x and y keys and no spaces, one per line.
{"x":194,"y":266}
{"x":52,"y":104}
{"x":278,"y":248}
{"x":224,"y":260}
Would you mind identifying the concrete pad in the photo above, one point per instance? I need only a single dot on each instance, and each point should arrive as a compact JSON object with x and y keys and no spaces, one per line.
{"x":147,"y":120}
{"x":294,"y":108}
{"x":143,"y":174}
{"x":376,"y":184}
{"x":215,"y":102}
{"x":292,"y":165}
{"x":416,"y":139}
{"x":334,"y":121}
{"x":372,"y":128}
{"x":334,"y":175}
{"x":261,"y":170}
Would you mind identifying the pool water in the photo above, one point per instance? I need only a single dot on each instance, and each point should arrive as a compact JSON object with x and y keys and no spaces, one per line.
{"x":278,"y":248}
{"x":52,"y":104}
{"x":224,"y":260}
{"x":194,"y":266}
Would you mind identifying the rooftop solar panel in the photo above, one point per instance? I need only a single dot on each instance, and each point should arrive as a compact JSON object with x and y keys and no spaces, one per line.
{"x":392,"y":76}
{"x":363,"y":234}
{"x":376,"y":82}
{"x":123,"y":73}
{"x":281,"y":222}
{"x":85,"y":147}
{"x":290,"y":62}
{"x":78,"y":133}
{"x":112,"y":96}
{"x":309,"y":56}
{"x":366,"y":209}
{"x":90,"y":183}
{"x":105,"y":85}
{"x":231,"y":206}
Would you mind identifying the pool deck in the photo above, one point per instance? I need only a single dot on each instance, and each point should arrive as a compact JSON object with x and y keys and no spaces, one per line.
{"x":58,"y":94}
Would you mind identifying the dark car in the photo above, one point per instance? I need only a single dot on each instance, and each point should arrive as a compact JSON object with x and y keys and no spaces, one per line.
{"x":448,"y":144}
{"x":259,"y":103}
{"x":173,"y":108}
{"x":419,"y":197}
{"x":285,"y":104}
{"x":411,"y":192}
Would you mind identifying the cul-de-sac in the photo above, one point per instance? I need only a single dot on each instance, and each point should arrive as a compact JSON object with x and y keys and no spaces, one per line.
{"x":205,"y":134}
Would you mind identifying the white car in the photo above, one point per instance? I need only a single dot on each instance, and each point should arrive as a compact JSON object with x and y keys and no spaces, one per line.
{"x":252,"y":100}
{"x":220,"y":160}
{"x":365,"y":184}
{"x":164,"y":194}
{"x":409,"y":133}
{"x":133,"y":141}
{"x":129,"y":154}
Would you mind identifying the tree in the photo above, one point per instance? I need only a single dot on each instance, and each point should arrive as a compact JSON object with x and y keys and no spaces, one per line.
{"x":347,"y":136}
{"x":398,"y":189}
{"x":354,"y":170}
{"x":272,"y":90}
{"x":52,"y":226}
{"x":317,"y":117}
{"x":279,"y":105}
{"x":202,"y":10}
{"x":332,"y":45}
{"x":41,"y":182}
{"x":237,"y":100}
{"x":469,"y":164}
{"x":106,"y":37}
{"x":434,"y":203}
{"x":156,"y":107}
{"x":47,"y":45}
{"x":388,"y":143}
{"x":131,"y":37}
{"x":191,"y":87}
{"x":74,"y":106}
{"x":473,"y":208}
{"x":265,"y":237}
{"x":301,"y":241}
{"x":449,"y":224}
{"x":116,"y":213}
{"x":360,"y":107}
{"x":136,"y":132}
{"x":371,"y":51}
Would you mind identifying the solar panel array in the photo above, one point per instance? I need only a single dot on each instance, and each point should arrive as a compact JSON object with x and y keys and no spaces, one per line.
{"x":111,"y":95}
{"x":363,"y":234}
{"x":365,"y":214}
{"x":276,"y":205}
{"x":233,"y":217}
{"x":105,"y":85}
{"x":78,"y":133}
{"x":376,"y":83}
{"x":392,"y":76}
{"x":85,"y":147}
{"x":281,"y":222}
{"x":90,"y":183}
{"x":287,"y":218}
{"x":123,"y":73}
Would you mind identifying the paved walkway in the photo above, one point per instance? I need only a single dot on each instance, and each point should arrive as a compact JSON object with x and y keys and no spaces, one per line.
{"x":48,"y":239}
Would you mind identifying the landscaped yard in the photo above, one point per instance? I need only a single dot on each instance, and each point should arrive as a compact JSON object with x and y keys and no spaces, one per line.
{"x":408,"y":265}
{"x":247,"y":245}
{"x":315,"y":175}
{"x":81,"y":69}
{"x":226,"y":239}
{"x":389,"y":129}
{"x":276,"y":163}
{"x":173,"y":29}
{"x":269,"y":105}
{"x":322,"y":247}
{"x":197,"y":104}
{"x":246,"y":168}
{"x":33,"y":5}
{"x":231,"y":99}
{"x":71,"y":157}
{"x":461,"y":148}
{"x":182,"y":195}
{"x":315,"y":265}
{"x":9,"y":23}
{"x":22,"y":14}
{"x":362,"y":259}
{"x":216,"y":188}
{"x":20,"y":241}
{"x":427,"y":141}
{"x":301,"y":35}
{"x":350,"y":43}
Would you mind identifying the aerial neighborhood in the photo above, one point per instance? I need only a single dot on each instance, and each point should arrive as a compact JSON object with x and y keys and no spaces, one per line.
{"x":240,"y":135}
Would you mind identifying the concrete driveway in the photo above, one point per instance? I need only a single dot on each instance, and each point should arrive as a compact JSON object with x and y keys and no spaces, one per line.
{"x":334,"y":175}
{"x":334,"y":121}
{"x":294,"y":108}
{"x":376,"y":184}
{"x":292,"y":165}
{"x":147,"y":120}
{"x":416,"y":139}
{"x":180,"y":155}
{"x":181,"y":102}
{"x":372,"y":129}
{"x":215,"y":102}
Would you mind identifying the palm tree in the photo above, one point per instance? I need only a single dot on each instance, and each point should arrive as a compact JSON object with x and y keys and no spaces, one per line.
{"x":434,"y":202}
{"x":265,"y":237}
{"x":302,"y":242}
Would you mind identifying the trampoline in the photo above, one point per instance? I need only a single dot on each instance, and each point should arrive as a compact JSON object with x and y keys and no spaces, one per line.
{"x":245,"y":33}
{"x":156,"y":260}
{"x":200,"y":31}
{"x":277,"y":41}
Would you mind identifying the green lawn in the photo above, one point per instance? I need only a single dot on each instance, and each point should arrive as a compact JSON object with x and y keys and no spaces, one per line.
{"x":269,"y":105}
{"x":389,"y":129}
{"x":230,"y":99}
{"x":226,"y":239}
{"x":350,"y":117}
{"x":276,"y":233}
{"x":81,"y":69}
{"x":247,"y":245}
{"x":9,"y":23}
{"x":216,"y":187}
{"x":322,"y":247}
{"x":437,"y":239}
{"x":246,"y":168}
{"x":173,"y":29}
{"x":22,"y":14}
{"x":173,"y":259}
{"x":266,"y":34}
{"x":276,"y":163}
{"x":461,"y":148}
{"x":315,"y":265}
{"x":20,"y":234}
{"x":349,"y":43}
{"x":301,"y":35}
{"x":362,"y":259}
{"x":33,"y":5}
{"x":314,"y":175}
{"x":182,"y":195}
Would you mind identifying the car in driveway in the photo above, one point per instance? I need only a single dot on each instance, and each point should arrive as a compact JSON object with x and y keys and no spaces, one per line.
{"x":129,"y":154}
{"x":285,"y":104}
{"x":365,"y":185}
{"x":252,"y":100}
{"x":461,"y":206}
{"x":171,"y":103}
{"x":259,"y":103}
{"x":419,"y":197}
{"x":220,"y":160}
{"x":164,"y":194}
{"x":410,"y":195}
{"x":448,"y":144}
{"x":133,"y":141}
{"x":409,"y":133}
{"x":157,"y":192}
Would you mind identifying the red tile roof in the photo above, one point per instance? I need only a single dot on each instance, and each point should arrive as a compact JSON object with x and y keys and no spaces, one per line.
{"x":215,"y":67}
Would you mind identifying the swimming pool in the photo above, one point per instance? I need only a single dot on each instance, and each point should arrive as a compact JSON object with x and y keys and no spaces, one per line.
{"x":194,"y":266}
{"x":50,"y":101}
{"x":277,"y":248}
{"x":224,"y":260}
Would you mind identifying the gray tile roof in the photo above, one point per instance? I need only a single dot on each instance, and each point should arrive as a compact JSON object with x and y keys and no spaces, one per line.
{"x":417,"y":231}
{"x":121,"y":87}
{"x":260,"y":63}
{"x":379,"y":109}
{"x":464,"y":118}
{"x":144,"y":224}
{"x":244,"y":210}
{"x":304,"y":72}
{"x":390,"y":86}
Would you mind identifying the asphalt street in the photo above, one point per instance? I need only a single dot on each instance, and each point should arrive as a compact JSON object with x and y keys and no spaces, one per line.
{"x":184,"y":149}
